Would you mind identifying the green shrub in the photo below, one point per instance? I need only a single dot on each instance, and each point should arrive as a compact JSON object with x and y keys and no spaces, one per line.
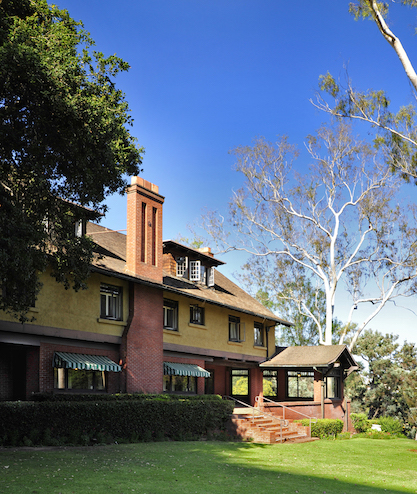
{"x":391,"y":425}
{"x":324,"y":427}
{"x":89,"y":422}
{"x":360,"y":422}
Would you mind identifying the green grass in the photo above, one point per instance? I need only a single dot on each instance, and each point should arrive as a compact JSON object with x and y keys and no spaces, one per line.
{"x":333,"y":467}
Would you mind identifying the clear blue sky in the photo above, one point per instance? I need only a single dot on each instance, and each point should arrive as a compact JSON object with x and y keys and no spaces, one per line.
{"x":209,"y":75}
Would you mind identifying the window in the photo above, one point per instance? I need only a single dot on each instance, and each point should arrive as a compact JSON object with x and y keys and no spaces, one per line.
{"x":210,"y":277}
{"x":111,"y":304}
{"x":79,"y":379}
{"x":182,"y":266}
{"x":332,"y":384}
{"x":270,"y":383}
{"x":180,"y":384}
{"x":258,"y":332}
{"x":195,"y":270}
{"x":154,"y":230}
{"x":234,"y":329}
{"x":143,"y":234}
{"x":171,"y":315}
{"x":300,"y":384}
{"x":79,"y":228}
{"x":240,"y":382}
{"x":196,"y":315}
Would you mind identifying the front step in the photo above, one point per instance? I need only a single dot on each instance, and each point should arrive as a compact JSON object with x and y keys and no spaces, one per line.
{"x":254,"y":425}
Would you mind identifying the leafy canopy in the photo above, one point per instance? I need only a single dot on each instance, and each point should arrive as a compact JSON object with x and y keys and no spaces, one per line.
{"x":64,"y":141}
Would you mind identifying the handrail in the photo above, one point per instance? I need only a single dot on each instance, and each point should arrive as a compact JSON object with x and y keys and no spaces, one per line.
{"x":282,"y":421}
{"x":292,"y":409}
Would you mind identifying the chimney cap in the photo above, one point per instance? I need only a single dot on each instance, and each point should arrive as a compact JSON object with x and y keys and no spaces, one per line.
{"x":145,"y":184}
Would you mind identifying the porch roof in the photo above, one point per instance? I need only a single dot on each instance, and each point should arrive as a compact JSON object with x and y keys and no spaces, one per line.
{"x":322,"y":356}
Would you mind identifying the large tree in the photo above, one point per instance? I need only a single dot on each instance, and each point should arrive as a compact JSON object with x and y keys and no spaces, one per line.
{"x":64,"y":143}
{"x":396,"y":132}
{"x":387,"y":386}
{"x":338,"y":221}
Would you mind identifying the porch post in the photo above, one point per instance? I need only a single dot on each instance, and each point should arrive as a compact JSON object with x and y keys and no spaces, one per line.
{"x":322,"y":396}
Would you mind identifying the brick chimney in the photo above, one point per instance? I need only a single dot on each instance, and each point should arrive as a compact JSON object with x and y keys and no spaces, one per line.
{"x":144,"y":230}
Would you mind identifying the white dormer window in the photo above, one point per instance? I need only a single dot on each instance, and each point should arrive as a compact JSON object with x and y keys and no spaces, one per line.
{"x":210,"y":277}
{"x":182,"y":266}
{"x":195,"y":270}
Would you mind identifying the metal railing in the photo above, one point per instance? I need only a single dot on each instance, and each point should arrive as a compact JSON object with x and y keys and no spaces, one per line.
{"x":293,"y":410}
{"x":282,"y":421}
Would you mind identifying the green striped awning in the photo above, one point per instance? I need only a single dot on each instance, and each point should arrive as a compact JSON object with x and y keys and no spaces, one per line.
{"x":84,"y":362}
{"x":172,"y":369}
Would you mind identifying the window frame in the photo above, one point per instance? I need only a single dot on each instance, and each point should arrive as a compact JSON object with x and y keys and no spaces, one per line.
{"x":182,"y":266}
{"x":258,"y":327}
{"x":273,"y":374}
{"x":112,"y":294}
{"x":197,"y":314}
{"x":169,"y":383}
{"x":170,"y":305}
{"x":235,"y":327}
{"x":333,"y":380}
{"x":62,"y":379}
{"x":299,"y":374}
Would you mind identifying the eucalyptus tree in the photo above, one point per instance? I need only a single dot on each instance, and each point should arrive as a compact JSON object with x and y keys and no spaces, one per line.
{"x":396,"y":132}
{"x":338,"y":221}
{"x":64,"y":142}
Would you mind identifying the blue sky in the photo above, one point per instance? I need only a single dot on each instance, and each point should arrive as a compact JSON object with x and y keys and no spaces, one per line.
{"x":209,"y":75}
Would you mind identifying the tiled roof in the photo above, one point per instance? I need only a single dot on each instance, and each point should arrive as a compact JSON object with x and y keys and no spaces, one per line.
{"x":111,"y":258}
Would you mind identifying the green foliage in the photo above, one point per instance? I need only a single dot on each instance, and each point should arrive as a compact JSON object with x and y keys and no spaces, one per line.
{"x":389,"y":385}
{"x":86,"y":422}
{"x":64,"y":140}
{"x":324,"y":427}
{"x":360,"y":421}
{"x":391,"y":425}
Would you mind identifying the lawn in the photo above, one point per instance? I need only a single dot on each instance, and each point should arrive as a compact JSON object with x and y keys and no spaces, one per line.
{"x":355,"y":466}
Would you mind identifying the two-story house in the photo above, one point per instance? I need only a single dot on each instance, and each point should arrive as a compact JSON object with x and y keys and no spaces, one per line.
{"x":156,"y":317}
{"x":160,"y":317}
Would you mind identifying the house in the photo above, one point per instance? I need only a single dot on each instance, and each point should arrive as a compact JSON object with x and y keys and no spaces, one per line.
{"x":158,"y":317}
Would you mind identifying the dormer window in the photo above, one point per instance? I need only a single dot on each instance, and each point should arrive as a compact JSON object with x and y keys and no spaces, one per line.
{"x":182,"y":266}
{"x":195,"y":270}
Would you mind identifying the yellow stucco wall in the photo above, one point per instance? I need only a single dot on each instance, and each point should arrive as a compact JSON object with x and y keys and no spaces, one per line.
{"x":214,"y":334}
{"x":67,"y":309}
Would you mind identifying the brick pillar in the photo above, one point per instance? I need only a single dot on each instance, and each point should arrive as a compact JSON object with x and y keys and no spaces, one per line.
{"x":143,"y":341}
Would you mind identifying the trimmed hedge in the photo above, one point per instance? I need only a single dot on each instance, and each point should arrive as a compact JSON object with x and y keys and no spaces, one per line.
{"x":361,"y":423}
{"x":86,"y":422}
{"x":324,"y":427}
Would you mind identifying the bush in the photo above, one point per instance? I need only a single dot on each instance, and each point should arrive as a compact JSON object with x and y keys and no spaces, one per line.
{"x":324,"y":427}
{"x":391,"y":425}
{"x":360,"y":422}
{"x":91,"y":422}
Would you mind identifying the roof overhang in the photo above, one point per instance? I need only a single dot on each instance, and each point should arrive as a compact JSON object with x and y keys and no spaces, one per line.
{"x":321,"y":358}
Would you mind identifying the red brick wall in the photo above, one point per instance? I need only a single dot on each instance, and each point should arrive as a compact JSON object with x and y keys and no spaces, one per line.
{"x":169,"y":264}
{"x":46,"y":373}
{"x":143,"y":341}
{"x":221,"y":377}
{"x":140,"y":192}
{"x":256,"y":384}
{"x":32,"y":371}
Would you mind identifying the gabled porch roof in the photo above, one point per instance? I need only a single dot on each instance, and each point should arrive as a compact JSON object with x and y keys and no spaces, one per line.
{"x":321,"y":357}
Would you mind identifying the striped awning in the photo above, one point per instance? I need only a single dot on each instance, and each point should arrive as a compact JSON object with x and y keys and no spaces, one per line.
{"x":82,"y":361}
{"x":173,"y":369}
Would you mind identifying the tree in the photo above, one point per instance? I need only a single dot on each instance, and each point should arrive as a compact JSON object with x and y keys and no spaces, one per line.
{"x":396,"y":132}
{"x":341,"y":220}
{"x":64,"y":143}
{"x":388,"y":385}
{"x":293,"y":298}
